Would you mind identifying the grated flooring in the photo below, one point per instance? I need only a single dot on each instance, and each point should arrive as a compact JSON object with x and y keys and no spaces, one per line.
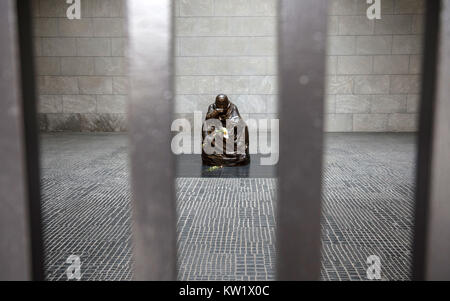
{"x":228,"y":234}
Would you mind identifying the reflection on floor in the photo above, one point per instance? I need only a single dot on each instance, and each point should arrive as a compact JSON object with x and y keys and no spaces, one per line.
{"x":228,"y":234}
{"x":190,"y":166}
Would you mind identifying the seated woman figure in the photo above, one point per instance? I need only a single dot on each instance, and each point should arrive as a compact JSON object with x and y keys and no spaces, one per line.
{"x":225,"y":135}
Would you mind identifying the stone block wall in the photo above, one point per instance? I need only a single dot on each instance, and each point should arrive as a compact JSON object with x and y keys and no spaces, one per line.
{"x":81,"y":66}
{"x":374,"y":66}
{"x":229,"y":46}
{"x":226,"y":46}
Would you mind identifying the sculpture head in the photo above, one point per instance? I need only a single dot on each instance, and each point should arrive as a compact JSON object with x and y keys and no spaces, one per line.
{"x":222,"y":101}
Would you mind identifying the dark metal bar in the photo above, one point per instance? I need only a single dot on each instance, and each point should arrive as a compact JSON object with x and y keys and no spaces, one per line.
{"x":21,"y":252}
{"x":432,"y":226}
{"x":29,"y":103}
{"x":302,"y":39}
{"x":425,"y":138}
{"x":152,"y":162}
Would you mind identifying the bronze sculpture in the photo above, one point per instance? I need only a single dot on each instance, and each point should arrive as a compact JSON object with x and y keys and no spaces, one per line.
{"x":225,"y":135}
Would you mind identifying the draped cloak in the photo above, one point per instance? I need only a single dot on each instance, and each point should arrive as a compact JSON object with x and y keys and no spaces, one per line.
{"x":234,"y":149}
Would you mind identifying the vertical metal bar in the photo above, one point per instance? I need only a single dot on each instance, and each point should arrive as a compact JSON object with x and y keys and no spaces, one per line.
{"x":29,"y":104}
{"x":21,"y":252}
{"x":425,"y":138}
{"x":152,"y":163}
{"x":302,"y":39}
{"x":432,"y":229}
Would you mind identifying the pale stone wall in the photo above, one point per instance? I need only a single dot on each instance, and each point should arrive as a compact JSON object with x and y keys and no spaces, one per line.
{"x":374,"y":66}
{"x":229,"y":46}
{"x":81,"y":66}
{"x":226,"y":46}
{"x":373,"y":69}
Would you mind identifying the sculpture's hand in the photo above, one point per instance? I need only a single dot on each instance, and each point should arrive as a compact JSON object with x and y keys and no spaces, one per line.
{"x":214,"y":114}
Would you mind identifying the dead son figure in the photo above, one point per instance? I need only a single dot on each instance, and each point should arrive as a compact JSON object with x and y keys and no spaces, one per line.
{"x":225,"y":135}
